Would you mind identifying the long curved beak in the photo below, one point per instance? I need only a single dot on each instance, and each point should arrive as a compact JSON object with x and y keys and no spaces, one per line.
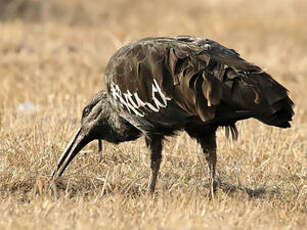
{"x":73,"y":148}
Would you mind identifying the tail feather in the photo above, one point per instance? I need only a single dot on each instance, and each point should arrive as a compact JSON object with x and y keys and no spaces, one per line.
{"x":262,"y":95}
{"x":283,"y":115}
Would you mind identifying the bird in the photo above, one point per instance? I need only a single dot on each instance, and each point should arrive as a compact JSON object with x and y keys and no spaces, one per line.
{"x":158,"y":86}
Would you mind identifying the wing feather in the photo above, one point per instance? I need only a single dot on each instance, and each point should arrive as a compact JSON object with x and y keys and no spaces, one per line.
{"x":198,"y":75}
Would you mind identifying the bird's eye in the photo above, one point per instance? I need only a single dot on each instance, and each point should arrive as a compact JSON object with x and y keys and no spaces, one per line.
{"x":86,"y":111}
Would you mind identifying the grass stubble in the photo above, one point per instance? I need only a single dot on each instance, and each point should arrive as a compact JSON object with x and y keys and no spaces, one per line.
{"x":57,"y":62}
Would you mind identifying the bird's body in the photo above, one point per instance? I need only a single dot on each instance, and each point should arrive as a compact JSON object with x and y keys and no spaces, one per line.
{"x":156,"y":86}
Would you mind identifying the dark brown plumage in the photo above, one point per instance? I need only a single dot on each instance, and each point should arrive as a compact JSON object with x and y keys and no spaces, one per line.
{"x":157,"y":86}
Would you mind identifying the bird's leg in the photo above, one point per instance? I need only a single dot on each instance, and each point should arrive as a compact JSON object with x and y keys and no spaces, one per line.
{"x":154,"y":143}
{"x":99,"y":150}
{"x":208,"y":144}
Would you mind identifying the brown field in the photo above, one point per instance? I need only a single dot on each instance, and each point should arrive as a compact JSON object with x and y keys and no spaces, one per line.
{"x":53,"y":55}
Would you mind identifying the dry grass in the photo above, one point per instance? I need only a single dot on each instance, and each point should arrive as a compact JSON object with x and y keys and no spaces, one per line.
{"x":54,"y":57}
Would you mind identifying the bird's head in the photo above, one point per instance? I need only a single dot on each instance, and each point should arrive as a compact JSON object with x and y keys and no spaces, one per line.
{"x":94,"y":125}
{"x":94,"y":120}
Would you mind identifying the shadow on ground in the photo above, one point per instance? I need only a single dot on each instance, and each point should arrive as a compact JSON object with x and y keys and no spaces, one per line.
{"x":259,"y":192}
{"x":70,"y":188}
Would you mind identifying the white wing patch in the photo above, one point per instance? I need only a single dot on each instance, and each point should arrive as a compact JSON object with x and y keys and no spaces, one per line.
{"x":134,"y":103}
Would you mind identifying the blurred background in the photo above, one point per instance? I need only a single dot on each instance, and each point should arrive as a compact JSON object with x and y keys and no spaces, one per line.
{"x":270,"y":33}
{"x":53,"y":52}
{"x":53,"y":55}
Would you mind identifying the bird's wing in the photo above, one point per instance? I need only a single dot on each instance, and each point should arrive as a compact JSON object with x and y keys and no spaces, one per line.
{"x":138,"y":78}
{"x":196,"y":74}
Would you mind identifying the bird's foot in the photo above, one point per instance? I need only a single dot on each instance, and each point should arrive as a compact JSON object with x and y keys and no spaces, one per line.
{"x":213,"y":184}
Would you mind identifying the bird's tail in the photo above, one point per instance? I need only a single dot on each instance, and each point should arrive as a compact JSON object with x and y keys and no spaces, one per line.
{"x":259,"y":93}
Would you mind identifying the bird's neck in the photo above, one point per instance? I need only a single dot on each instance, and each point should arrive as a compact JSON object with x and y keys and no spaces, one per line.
{"x":120,"y":130}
